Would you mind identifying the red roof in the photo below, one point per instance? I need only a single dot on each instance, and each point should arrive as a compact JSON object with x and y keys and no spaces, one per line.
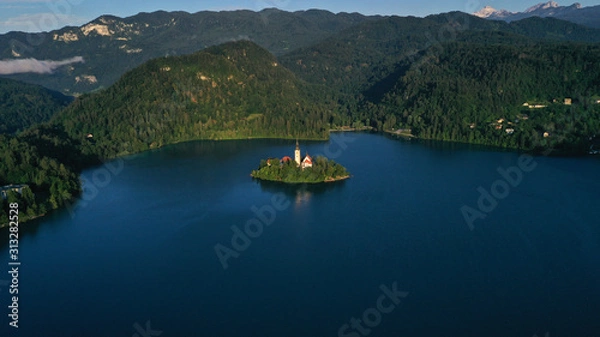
{"x":286,"y":159}
{"x":308,"y":159}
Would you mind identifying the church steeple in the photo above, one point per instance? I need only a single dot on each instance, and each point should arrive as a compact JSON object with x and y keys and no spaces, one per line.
{"x":297,"y":153}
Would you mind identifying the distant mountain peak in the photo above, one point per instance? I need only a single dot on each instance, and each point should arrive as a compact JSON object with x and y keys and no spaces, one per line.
{"x":542,"y":6}
{"x":489,"y":11}
{"x":587,"y":16}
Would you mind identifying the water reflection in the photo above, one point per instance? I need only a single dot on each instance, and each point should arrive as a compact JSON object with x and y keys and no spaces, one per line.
{"x":300,"y":193}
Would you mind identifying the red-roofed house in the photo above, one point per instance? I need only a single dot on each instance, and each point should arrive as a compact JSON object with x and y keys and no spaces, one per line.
{"x":307,"y":162}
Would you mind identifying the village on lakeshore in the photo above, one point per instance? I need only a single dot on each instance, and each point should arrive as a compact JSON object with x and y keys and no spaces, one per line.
{"x":300,"y":170}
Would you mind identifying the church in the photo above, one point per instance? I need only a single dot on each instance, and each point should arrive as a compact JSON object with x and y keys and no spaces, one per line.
{"x":304,"y":163}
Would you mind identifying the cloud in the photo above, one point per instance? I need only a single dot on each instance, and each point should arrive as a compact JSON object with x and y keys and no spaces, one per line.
{"x":31,"y":65}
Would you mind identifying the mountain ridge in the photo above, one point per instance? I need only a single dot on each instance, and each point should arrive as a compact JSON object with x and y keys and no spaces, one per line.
{"x":109,"y":46}
{"x":23,"y":105}
{"x":587,"y":16}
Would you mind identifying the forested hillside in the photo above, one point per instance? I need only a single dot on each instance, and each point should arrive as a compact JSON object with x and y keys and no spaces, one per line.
{"x":462,"y":91}
{"x":402,"y":73}
{"x":111,"y":46}
{"x":448,"y":77}
{"x":365,"y":54}
{"x":235,"y":90}
{"x":23,"y":105}
{"x":47,"y":161}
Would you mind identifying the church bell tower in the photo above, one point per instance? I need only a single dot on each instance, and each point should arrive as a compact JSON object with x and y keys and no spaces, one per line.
{"x":297,"y":153}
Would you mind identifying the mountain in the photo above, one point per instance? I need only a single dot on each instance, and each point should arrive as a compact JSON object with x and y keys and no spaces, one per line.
{"x":76,"y":60}
{"x":356,"y":59}
{"x":234,"y":90}
{"x":588,"y":16}
{"x":23,"y":105}
{"x":385,"y":74}
{"x":475,"y":93}
{"x":387,"y":70}
{"x":552,"y":29}
{"x":109,"y":46}
{"x":492,"y":13}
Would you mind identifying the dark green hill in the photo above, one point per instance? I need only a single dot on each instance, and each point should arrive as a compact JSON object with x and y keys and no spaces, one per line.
{"x":365,"y":54}
{"x":234,"y":90}
{"x":23,"y":105}
{"x":41,"y":160}
{"x":111,"y":45}
{"x":365,"y":62}
{"x":461,"y":91}
{"x":555,"y":29}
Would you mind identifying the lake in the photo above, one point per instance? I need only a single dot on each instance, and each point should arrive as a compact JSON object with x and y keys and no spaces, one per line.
{"x":425,"y":239}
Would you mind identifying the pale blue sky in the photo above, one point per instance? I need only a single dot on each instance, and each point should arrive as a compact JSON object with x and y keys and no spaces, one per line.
{"x":44,"y":15}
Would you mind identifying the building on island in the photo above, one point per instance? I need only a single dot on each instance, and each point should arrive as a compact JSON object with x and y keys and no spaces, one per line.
{"x":306,"y":162}
{"x":303,"y":163}
{"x":297,"y":153}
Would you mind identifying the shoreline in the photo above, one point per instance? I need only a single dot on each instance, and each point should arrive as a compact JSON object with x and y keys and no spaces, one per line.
{"x":328,"y":180}
{"x":397,"y":133}
{"x":21,"y":220}
{"x":404,"y":135}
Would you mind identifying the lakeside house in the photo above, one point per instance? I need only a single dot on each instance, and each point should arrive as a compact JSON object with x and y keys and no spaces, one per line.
{"x":15,"y":188}
{"x":534,"y":106}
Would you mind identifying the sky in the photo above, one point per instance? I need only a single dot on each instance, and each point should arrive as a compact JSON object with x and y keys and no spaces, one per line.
{"x":46,"y":15}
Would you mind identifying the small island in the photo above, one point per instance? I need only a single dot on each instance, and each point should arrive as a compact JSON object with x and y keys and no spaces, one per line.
{"x":307,"y":170}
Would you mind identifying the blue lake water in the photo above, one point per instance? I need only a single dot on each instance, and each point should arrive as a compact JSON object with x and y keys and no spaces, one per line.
{"x":137,"y":254}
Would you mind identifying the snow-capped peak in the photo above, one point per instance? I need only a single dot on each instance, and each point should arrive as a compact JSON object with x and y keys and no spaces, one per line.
{"x":485,"y":12}
{"x":549,"y":4}
{"x":489,"y":11}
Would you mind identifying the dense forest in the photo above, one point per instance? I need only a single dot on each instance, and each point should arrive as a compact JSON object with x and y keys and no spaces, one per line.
{"x":452,"y":77}
{"x":448,"y":77}
{"x":498,"y":95}
{"x":23,"y":105}
{"x":235,"y":90}
{"x":39,"y":159}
